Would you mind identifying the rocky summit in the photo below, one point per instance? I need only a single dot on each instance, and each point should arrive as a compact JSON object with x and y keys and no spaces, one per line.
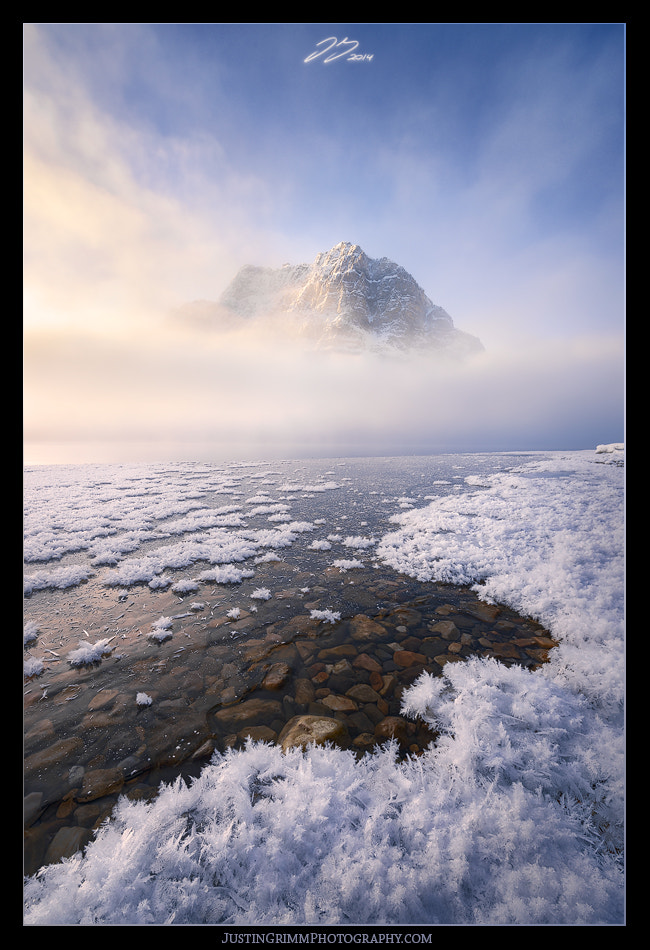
{"x":343,"y":300}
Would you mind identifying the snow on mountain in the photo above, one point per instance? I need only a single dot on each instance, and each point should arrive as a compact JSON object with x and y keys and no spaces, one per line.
{"x":344,"y":300}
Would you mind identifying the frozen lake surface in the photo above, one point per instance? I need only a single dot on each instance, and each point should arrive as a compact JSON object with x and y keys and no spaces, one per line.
{"x":138,"y":578}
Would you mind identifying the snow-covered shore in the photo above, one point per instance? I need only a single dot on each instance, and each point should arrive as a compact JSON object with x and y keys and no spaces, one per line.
{"x":514,"y":817}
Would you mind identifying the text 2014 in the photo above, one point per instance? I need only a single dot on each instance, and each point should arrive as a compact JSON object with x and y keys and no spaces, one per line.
{"x":348,"y":51}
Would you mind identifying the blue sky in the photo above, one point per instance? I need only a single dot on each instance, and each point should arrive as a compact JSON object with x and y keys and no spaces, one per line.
{"x":487,"y":159}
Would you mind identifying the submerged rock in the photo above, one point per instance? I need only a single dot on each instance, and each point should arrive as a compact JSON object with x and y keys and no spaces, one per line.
{"x":302,"y":731}
{"x":392,"y":727}
{"x":66,"y":842}
{"x":277,"y":676}
{"x":100,"y":782}
{"x":249,"y":712}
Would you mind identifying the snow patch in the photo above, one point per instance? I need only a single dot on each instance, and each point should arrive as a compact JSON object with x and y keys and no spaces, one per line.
{"x":327,"y":616}
{"x":347,"y":565}
{"x":161,"y":629}
{"x":261,"y":593}
{"x":88,"y":653}
{"x":32,"y":667}
{"x":321,"y":545}
{"x":30,"y":632}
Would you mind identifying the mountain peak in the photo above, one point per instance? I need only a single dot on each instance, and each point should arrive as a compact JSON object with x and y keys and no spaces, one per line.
{"x":343,"y":300}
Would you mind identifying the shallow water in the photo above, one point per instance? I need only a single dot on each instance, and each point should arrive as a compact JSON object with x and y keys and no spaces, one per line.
{"x":219,"y":680}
